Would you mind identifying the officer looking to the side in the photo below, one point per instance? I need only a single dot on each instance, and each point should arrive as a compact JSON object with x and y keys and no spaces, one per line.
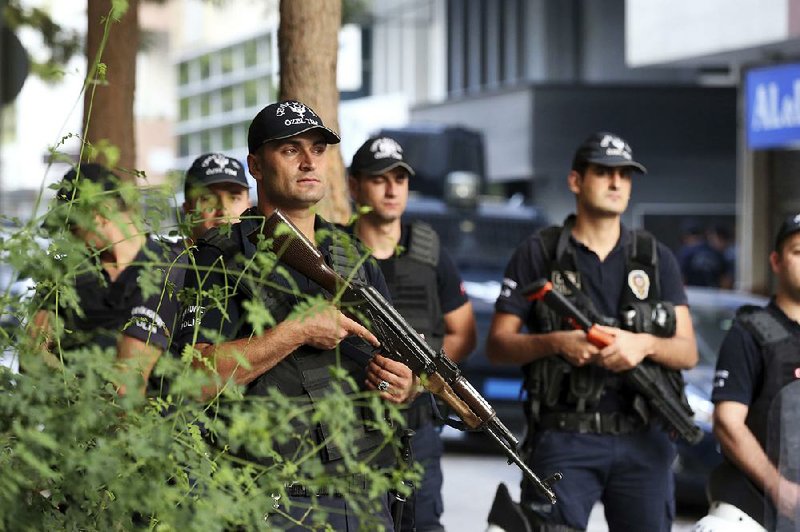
{"x":215,"y":192}
{"x":582,"y":419}
{"x":288,"y":158}
{"x":115,"y":312}
{"x":426,"y":289}
{"x":758,"y":358}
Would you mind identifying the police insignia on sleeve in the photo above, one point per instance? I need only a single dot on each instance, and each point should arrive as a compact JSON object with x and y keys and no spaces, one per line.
{"x":639,"y":283}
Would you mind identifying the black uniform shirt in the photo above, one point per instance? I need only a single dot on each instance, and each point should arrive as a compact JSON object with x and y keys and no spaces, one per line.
{"x":740,"y":366}
{"x":120,"y":306}
{"x":449,"y":286}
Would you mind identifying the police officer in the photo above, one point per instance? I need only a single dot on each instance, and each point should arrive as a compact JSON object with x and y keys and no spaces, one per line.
{"x":758,"y":358}
{"x":288,"y":158}
{"x":427,"y":290}
{"x":215,"y":192}
{"x":115,"y":312}
{"x":583,"y":421}
{"x":701,"y":263}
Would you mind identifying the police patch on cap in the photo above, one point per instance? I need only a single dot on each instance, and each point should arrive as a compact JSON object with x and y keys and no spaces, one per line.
{"x":282,"y":120}
{"x":639,"y":283}
{"x":214,"y":168}
{"x":378,"y":155}
{"x":606,"y":149}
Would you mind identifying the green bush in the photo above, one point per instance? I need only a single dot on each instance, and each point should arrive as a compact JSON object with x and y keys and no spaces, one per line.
{"x":75,"y":455}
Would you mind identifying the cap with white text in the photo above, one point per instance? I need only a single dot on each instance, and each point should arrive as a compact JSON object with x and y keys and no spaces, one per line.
{"x":282,"y":120}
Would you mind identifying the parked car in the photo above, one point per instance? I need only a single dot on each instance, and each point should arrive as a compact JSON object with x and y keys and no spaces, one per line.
{"x":712,"y":314}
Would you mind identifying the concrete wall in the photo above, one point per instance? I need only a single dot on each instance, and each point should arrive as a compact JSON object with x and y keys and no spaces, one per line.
{"x":685,"y":136}
{"x":673,"y":31}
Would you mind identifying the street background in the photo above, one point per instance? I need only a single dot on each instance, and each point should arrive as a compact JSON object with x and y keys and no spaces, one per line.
{"x":470,"y":482}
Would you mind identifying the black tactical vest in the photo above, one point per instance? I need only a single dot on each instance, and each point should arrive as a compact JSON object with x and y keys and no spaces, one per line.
{"x":552,"y":383}
{"x":305,"y":373}
{"x":411,"y":278}
{"x":781,"y":350}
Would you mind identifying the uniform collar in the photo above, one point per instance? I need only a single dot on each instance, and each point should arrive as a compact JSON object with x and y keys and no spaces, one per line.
{"x":624,"y":240}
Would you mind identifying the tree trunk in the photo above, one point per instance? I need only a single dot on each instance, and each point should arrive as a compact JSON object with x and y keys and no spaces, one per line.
{"x":308,"y":43}
{"x":108,"y":100}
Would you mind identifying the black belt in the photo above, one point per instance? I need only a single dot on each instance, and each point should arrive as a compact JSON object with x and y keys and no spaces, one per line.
{"x":592,"y":422}
{"x":355,"y":484}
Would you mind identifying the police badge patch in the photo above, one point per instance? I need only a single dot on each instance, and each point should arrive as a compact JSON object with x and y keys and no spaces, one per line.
{"x":639,"y":283}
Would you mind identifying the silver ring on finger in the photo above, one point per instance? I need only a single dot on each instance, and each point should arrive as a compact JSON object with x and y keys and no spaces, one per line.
{"x":383,"y":386}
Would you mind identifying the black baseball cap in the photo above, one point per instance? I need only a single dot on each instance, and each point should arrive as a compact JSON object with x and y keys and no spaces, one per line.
{"x":606,"y":149}
{"x":378,"y":155}
{"x":285,"y":119}
{"x":790,"y":226}
{"x":92,"y":172}
{"x":213,"y":168}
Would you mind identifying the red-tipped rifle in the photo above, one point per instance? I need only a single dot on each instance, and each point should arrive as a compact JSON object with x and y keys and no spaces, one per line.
{"x":649,"y":379}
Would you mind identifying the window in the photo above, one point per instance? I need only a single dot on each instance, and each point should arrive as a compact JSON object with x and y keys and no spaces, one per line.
{"x":240,"y":134}
{"x":183,"y":73}
{"x":271,"y":88}
{"x":250,"y":89}
{"x":205,"y":105}
{"x":205,"y":67}
{"x":205,"y":141}
{"x":226,"y":137}
{"x":250,"y":53}
{"x":227,"y":99}
{"x":183,"y":146}
{"x":226,"y":61}
{"x":185,"y":109}
{"x":265,"y":50}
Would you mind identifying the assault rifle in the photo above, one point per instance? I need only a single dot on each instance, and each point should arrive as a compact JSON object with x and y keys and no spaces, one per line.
{"x":643,"y":378}
{"x":399,"y":341}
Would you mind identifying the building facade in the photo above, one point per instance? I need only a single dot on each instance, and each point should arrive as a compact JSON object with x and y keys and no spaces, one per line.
{"x":748,"y":41}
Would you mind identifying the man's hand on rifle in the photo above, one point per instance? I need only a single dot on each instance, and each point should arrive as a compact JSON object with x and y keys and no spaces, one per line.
{"x":575,"y":348}
{"x":325,"y":327}
{"x":627,"y":351}
{"x":399,"y":384}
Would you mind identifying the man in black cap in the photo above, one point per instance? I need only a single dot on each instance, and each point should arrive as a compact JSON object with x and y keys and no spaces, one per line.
{"x":583,"y":420}
{"x":759,"y":359}
{"x":288,"y":158}
{"x":114,"y":311}
{"x":215,"y":192}
{"x":426,"y":289}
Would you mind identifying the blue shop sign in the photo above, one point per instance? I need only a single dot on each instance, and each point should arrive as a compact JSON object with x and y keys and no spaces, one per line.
{"x":773,"y":107}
